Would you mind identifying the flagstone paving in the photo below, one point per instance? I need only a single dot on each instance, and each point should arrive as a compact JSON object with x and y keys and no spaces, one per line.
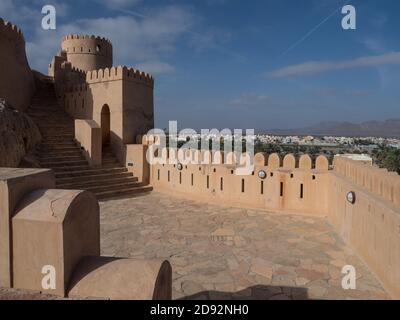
{"x":230,"y":253}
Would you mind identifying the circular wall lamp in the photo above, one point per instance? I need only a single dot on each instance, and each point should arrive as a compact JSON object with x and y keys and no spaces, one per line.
{"x":262,"y":174}
{"x":351,"y":197}
{"x":180,"y":166}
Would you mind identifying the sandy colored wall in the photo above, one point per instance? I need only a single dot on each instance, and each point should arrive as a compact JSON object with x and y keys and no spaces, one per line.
{"x":60,"y":227}
{"x":88,"y":52}
{"x":371,"y":226}
{"x":16,"y":80}
{"x":220,"y":184}
{"x":45,"y":227}
{"x":88,"y":136}
{"x":88,"y":101}
{"x":136,"y":162}
{"x":129,"y":96}
{"x":14,"y":185}
{"x":138,"y":108}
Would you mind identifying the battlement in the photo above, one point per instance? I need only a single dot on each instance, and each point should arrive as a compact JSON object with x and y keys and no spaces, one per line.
{"x":85,"y":44}
{"x":67,"y":66}
{"x":9,"y":28}
{"x":119,"y":73}
{"x":88,"y":52}
{"x":273,"y":183}
{"x":272,"y":162}
{"x":86,"y":37}
{"x":377,"y":181}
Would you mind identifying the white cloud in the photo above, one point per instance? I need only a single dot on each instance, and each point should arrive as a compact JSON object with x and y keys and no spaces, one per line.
{"x":28,"y":11}
{"x":143,"y":39}
{"x":135,"y":40}
{"x":118,"y":4}
{"x":15,"y":13}
{"x":155,"y":67}
{"x":315,"y":67}
{"x":251,"y":99}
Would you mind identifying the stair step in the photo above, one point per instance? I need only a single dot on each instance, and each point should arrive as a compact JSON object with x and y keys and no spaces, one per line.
{"x":91,"y":172}
{"x":46,"y":158}
{"x":125,"y":185}
{"x":93,"y":178}
{"x":52,"y":123}
{"x":57,"y":139}
{"x":59,"y":154}
{"x":58,"y":129}
{"x":46,"y":133}
{"x":53,"y":117}
{"x":63,"y":163}
{"x":44,"y":108}
{"x":122,"y":192}
{"x":71,"y":169}
{"x":54,"y":148}
{"x":58,"y":136}
{"x":67,"y":128}
{"x":58,"y":144}
{"x":88,"y":184}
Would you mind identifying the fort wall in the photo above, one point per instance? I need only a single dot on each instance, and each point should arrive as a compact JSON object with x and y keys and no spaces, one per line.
{"x":286,"y":187}
{"x":371,"y":226}
{"x":127,"y":93}
{"x":16,"y":79}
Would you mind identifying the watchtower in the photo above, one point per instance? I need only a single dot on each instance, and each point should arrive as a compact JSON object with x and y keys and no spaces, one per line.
{"x":88,"y":52}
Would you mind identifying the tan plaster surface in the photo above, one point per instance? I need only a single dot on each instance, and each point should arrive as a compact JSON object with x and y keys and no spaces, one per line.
{"x":230,"y":253}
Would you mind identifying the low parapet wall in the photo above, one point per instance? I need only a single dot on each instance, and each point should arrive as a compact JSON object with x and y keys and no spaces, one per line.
{"x":378,"y":181}
{"x":370,"y":225}
{"x":275,"y":185}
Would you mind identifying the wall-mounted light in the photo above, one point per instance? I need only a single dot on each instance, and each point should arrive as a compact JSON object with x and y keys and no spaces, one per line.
{"x":351,"y":197}
{"x":262,"y":174}
{"x":180,"y":166}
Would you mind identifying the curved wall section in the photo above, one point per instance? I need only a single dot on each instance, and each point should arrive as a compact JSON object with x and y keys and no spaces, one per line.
{"x":16,"y":79}
{"x":88,"y":52}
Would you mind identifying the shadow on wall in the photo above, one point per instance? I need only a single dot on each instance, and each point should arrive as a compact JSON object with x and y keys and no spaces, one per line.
{"x":258,"y":292}
{"x":89,"y":268}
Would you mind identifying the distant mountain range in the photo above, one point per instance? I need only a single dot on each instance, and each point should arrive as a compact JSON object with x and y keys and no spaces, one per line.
{"x":386,"y":129}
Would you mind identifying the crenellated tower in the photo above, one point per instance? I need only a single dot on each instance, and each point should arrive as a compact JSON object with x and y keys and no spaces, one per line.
{"x":88,"y":52}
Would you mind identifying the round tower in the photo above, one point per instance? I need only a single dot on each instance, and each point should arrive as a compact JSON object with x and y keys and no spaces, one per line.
{"x":88,"y":52}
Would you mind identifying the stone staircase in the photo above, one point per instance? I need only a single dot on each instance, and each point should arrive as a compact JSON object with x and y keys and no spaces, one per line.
{"x":59,"y":152}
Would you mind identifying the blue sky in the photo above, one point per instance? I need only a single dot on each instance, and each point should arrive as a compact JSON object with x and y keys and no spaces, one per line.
{"x":240,"y":64}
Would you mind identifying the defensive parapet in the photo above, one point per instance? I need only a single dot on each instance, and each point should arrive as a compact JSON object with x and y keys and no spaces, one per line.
{"x":119,"y":73}
{"x":16,"y":78}
{"x":88,"y":52}
{"x":365,"y":210}
{"x":272,"y":183}
{"x":378,"y":181}
{"x":11,"y":30}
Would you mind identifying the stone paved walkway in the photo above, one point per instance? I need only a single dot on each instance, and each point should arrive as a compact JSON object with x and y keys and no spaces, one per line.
{"x":230,"y":253}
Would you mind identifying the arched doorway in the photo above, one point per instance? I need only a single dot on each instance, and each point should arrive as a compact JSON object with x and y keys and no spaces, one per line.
{"x":105,"y":125}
